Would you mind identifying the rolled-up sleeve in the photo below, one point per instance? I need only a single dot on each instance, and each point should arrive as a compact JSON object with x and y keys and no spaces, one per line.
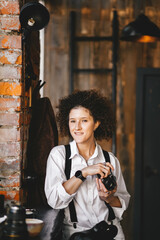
{"x":121,"y":192}
{"x":56,"y":195}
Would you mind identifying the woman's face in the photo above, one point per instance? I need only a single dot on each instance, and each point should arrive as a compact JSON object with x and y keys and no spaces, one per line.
{"x":82,"y":125}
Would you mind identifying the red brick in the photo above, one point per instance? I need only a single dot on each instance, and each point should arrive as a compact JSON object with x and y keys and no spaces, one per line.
{"x":9,"y":167}
{"x":10,"y":23}
{"x":10,"y":72}
{"x":9,"y":7}
{"x":11,"y":89}
{"x":9,"y":134}
{"x":12,"y":119}
{"x":10,"y":149}
{"x":10,"y":104}
{"x":12,"y":181}
{"x":19,"y":60}
{"x":11,"y":195}
{"x":3,"y":59}
{"x":10,"y":41}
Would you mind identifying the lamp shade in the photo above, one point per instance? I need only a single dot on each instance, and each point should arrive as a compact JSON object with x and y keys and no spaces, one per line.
{"x":141,"y":30}
{"x":34,"y":16}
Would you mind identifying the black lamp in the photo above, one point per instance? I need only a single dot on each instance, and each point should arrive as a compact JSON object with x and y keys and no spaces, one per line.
{"x":33,"y":17}
{"x":141,"y":30}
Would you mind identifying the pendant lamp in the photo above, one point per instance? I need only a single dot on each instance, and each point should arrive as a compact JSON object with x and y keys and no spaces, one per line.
{"x":141,"y":30}
{"x":33,"y":17}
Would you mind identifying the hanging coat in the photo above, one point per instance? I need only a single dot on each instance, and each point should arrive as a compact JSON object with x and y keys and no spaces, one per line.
{"x":43,"y":136}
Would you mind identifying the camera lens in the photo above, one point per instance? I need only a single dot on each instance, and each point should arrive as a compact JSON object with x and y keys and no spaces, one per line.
{"x":109,"y":182}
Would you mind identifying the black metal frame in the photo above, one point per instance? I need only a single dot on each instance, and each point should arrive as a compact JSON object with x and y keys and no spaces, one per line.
{"x":115,"y":39}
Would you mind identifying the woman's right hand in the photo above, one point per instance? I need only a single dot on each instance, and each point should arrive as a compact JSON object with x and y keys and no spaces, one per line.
{"x":103,"y":169}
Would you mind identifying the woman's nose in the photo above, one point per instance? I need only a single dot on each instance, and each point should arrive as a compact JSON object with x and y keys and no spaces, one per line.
{"x":78,"y":125}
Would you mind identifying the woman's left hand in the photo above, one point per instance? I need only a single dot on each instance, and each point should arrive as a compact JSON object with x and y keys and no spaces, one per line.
{"x":104,"y":194}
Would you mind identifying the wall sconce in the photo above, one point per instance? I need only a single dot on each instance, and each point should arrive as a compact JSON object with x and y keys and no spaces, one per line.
{"x":33,"y":17}
{"x":141,"y":30}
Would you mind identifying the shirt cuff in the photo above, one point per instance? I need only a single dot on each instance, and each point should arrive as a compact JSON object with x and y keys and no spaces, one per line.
{"x":64,"y":195}
{"x":120,"y":210}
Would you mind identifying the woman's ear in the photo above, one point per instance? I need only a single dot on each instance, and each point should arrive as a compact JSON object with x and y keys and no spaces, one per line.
{"x":97,"y":125}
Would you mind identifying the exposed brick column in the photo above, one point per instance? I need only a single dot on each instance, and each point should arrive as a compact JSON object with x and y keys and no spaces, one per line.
{"x":11,"y":95}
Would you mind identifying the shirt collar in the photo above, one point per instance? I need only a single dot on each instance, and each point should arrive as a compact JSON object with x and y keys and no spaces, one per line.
{"x":95,"y":154}
{"x":74,"y":150}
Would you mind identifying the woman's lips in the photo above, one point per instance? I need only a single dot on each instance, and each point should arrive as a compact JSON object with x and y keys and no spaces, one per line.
{"x":78,"y":133}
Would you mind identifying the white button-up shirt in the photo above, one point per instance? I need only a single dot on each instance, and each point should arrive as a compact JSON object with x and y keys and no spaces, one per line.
{"x":90,"y":209}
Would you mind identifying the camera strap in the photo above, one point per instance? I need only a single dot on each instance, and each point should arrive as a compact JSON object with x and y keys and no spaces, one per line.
{"x":72,"y":209}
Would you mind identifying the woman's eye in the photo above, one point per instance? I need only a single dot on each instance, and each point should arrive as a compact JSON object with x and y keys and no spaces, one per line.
{"x":72,"y":121}
{"x":85,"y":120}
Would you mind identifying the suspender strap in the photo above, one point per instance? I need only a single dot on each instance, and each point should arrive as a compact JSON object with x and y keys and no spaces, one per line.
{"x":111,"y":215}
{"x":106,"y":156}
{"x":68,"y":163}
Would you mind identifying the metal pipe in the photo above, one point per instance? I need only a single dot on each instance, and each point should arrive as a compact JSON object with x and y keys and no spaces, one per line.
{"x":115,"y":29}
{"x":72,"y":52}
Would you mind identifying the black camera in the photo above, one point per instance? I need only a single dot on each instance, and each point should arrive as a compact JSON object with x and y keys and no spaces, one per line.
{"x":101,"y":230}
{"x":109,"y":182}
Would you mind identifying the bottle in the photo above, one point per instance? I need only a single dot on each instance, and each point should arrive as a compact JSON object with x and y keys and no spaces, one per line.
{"x":15,"y":227}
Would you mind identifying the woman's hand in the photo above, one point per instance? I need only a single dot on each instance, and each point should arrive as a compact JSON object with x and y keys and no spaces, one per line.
{"x":107,"y":196}
{"x":103,"y":169}
{"x":104,"y":194}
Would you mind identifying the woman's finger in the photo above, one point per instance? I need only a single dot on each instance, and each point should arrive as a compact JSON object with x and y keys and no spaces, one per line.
{"x":109,"y":165}
{"x":97,"y":183}
{"x":102,"y":187}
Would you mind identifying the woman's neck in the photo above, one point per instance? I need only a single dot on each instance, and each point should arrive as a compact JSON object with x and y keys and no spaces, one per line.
{"x":86,"y":150}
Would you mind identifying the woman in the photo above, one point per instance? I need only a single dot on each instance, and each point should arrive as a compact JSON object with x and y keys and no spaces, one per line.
{"x":86,"y":116}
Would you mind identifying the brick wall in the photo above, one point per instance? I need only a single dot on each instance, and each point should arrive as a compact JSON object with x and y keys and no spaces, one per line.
{"x":14,"y":109}
{"x":10,"y":100}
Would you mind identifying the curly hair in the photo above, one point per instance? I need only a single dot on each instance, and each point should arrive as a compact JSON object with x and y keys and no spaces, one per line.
{"x":100,"y":108}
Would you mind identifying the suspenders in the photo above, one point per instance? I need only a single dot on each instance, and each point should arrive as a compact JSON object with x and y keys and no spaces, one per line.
{"x":72,"y":210}
{"x":68,"y":163}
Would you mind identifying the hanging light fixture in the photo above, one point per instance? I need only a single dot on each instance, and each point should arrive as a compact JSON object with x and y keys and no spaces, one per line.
{"x":141,"y":30}
{"x":33,"y":17}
